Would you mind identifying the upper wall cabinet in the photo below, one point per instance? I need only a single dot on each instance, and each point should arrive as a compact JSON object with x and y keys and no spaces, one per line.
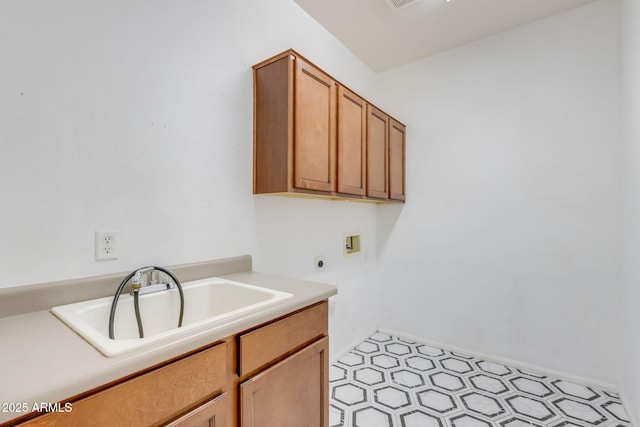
{"x":314,"y":137}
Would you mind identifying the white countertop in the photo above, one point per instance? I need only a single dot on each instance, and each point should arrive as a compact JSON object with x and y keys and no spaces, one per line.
{"x":43,"y":360}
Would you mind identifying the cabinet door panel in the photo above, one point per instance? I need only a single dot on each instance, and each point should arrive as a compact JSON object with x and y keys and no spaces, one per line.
{"x":315,"y":129}
{"x":292,"y":393}
{"x":352,"y":134}
{"x":396,"y":160}
{"x":377,"y":159}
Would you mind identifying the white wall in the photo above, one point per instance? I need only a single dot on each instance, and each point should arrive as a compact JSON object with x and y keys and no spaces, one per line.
{"x":292,"y":232}
{"x":138,"y":116}
{"x":630,"y":294}
{"x":509,"y":242}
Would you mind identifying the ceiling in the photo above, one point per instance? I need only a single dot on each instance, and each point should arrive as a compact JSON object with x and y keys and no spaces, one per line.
{"x":385,"y":38}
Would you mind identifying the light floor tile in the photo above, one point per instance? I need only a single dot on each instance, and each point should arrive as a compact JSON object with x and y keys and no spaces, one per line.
{"x":387,"y":381}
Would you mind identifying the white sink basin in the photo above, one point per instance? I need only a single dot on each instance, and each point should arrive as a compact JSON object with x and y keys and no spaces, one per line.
{"x":208,"y":303}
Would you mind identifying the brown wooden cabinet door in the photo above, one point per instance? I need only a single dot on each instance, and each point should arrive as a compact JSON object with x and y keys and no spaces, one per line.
{"x":396,"y":160}
{"x":314,"y":148}
{"x":377,"y":158}
{"x":292,"y":393}
{"x":352,"y":141}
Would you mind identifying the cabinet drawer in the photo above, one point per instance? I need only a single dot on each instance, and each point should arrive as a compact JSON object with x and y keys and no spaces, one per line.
{"x":210,"y":414}
{"x":263,"y":345}
{"x":151,"y":398}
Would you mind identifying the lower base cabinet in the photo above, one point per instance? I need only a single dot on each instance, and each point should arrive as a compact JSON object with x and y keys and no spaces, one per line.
{"x":274,"y":375}
{"x":292,"y":393}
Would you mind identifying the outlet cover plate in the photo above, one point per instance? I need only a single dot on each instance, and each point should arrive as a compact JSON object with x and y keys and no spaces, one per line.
{"x":106,"y":245}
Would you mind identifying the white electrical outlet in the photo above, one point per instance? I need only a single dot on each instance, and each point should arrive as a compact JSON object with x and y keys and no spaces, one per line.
{"x":106,"y":244}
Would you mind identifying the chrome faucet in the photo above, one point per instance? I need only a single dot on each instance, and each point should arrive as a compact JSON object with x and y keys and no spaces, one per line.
{"x":145,"y":280}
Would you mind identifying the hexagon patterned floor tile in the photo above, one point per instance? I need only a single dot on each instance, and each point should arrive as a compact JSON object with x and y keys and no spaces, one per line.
{"x":387,"y":381}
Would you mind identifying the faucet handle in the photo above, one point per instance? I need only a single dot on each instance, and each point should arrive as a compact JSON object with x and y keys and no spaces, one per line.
{"x":140,"y":278}
{"x":136,"y":281}
{"x":154,"y":277}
